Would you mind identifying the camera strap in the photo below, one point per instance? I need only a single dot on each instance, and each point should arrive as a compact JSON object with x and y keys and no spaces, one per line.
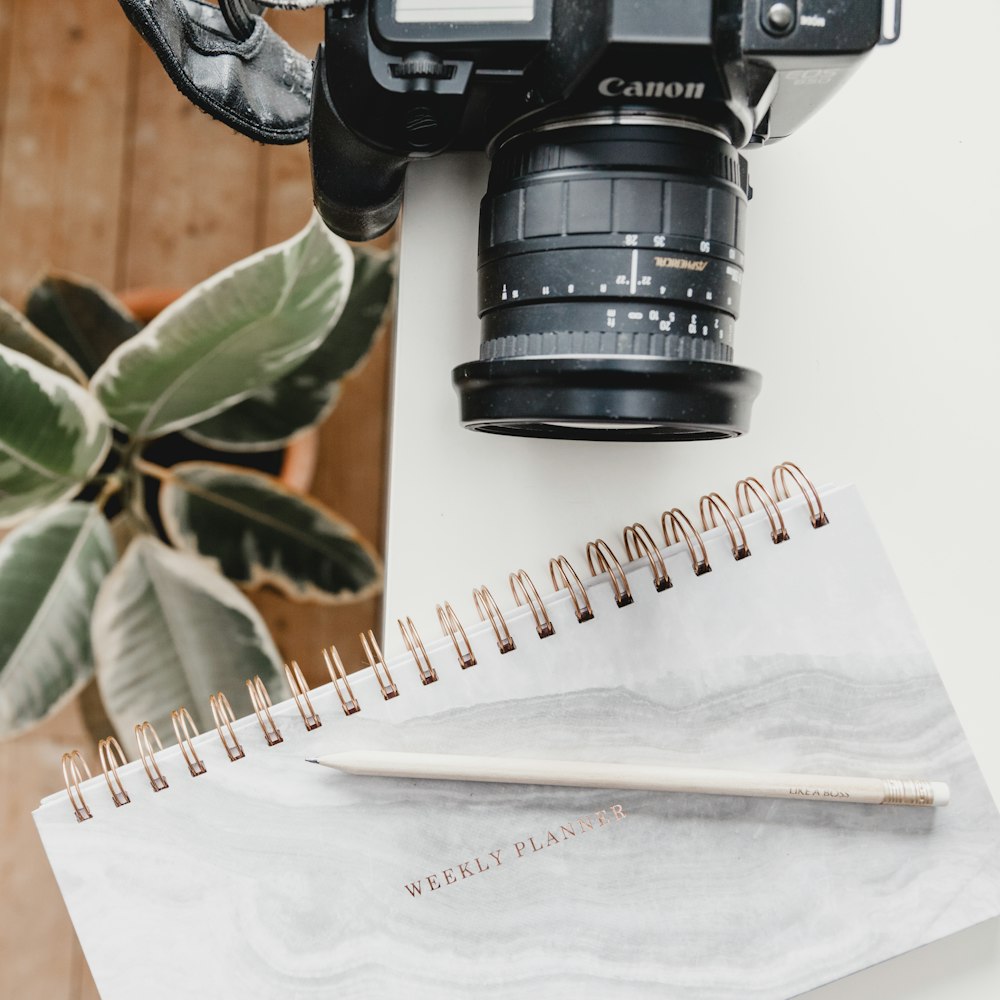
{"x":295,"y":4}
{"x":230,"y":63}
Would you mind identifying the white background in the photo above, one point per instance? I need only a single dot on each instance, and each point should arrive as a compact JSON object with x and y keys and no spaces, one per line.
{"x":867,"y":306}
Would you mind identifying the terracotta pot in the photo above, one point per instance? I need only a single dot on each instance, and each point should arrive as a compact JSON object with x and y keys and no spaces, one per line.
{"x":298,"y":466}
{"x":145,"y":303}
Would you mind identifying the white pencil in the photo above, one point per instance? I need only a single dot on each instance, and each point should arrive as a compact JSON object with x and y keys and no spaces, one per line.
{"x":644,"y":777}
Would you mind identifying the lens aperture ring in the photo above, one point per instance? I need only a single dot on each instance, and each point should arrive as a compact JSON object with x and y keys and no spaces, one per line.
{"x":587,"y":327}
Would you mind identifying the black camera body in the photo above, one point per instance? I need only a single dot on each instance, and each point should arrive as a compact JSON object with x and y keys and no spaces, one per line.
{"x":395,"y":89}
{"x":611,"y":231}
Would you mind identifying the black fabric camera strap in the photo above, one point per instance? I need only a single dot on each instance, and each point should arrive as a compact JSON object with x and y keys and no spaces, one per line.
{"x":257,"y":84}
{"x":240,"y":16}
{"x":293,"y":4}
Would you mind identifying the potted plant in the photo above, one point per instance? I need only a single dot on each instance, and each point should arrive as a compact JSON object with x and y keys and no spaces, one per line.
{"x":96,"y":581}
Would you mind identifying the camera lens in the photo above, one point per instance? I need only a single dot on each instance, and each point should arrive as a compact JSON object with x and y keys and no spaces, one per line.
{"x":610,"y":267}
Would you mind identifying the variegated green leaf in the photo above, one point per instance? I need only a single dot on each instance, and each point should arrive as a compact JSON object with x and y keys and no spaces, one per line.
{"x":84,"y":319}
{"x":260,"y":533}
{"x":169,"y":631}
{"x":304,"y":397}
{"x":19,"y":333}
{"x":50,"y":569}
{"x":53,"y":436}
{"x":230,"y":336}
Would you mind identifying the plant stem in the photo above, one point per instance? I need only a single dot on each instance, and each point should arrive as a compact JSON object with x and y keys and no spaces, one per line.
{"x":110,"y":488}
{"x":132,"y":466}
{"x":137,"y":506}
{"x":152,"y":469}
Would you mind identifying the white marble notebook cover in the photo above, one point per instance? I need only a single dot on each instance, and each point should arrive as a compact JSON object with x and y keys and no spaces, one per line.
{"x":270,"y":877}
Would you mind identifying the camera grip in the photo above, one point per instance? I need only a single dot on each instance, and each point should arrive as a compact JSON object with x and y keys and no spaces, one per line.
{"x":357,"y":188}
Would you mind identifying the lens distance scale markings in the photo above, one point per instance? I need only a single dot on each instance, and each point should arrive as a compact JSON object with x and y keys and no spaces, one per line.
{"x":661,"y":276}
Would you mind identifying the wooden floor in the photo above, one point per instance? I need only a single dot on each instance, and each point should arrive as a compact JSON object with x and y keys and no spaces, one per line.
{"x":106,"y":171}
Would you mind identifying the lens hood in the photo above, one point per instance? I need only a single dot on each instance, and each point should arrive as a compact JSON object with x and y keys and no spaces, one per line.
{"x":602,"y":398}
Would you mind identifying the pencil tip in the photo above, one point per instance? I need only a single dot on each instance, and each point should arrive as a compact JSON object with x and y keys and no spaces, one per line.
{"x":311,"y":760}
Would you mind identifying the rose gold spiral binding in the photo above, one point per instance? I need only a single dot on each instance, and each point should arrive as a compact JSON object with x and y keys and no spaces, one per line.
{"x":681,"y":525}
{"x":750,"y":485}
{"x":578,"y":594}
{"x":377,"y":662}
{"x":428,"y":675}
{"x":224,"y":715}
{"x":608,"y":563}
{"x":147,"y":755}
{"x":339,"y":677}
{"x":711,"y":505}
{"x":107,"y":750}
{"x":300,"y":692}
{"x":71,"y":763}
{"x":452,"y":627}
{"x":486,"y":605}
{"x":262,"y":708}
{"x":817,"y":516}
{"x":183,"y":724}
{"x":643,"y":539}
{"x":521,"y":581}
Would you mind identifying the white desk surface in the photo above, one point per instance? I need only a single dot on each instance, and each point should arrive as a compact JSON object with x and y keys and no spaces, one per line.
{"x":871,"y":262}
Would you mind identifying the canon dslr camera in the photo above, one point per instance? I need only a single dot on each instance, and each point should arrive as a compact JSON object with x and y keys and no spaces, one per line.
{"x":612,"y":230}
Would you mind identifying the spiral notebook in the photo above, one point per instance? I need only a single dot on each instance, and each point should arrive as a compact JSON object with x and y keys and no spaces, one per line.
{"x":778,"y":640}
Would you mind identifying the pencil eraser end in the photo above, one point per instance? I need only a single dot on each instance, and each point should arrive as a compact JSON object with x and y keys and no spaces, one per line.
{"x":941,"y":792}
